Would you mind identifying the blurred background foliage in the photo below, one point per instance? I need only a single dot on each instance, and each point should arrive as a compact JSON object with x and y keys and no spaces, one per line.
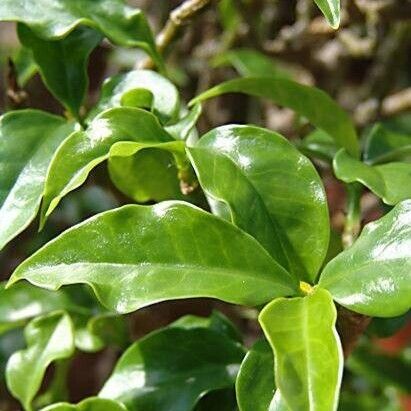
{"x":365,"y":66}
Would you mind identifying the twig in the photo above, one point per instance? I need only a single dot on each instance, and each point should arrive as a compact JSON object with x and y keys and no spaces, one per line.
{"x":15,"y":94}
{"x":178,"y":18}
{"x":353,"y":218}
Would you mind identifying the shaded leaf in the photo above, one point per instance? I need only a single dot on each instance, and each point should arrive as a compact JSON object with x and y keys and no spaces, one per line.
{"x":255,"y":385}
{"x":49,"y":338}
{"x":307,"y":350}
{"x":320,"y":145}
{"x":24,"y":301}
{"x":383,"y":145}
{"x":102,"y":330}
{"x":25,"y":65}
{"x":84,"y":150}
{"x":28,"y":140}
{"x":391,"y":182}
{"x":268,"y":189}
{"x":89,"y":404}
{"x":373,"y":276}
{"x":63,"y":63}
{"x":382,"y":370}
{"x":310,"y":102}
{"x":171,"y":369}
{"x":168,"y":251}
{"x":249,"y":62}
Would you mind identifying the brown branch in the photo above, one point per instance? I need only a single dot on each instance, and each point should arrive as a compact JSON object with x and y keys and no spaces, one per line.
{"x":15,"y":94}
{"x":350,"y":327}
{"x":178,"y":18}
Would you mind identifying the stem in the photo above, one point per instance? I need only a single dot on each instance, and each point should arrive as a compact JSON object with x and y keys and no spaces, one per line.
{"x":178,"y":18}
{"x":353,"y":218}
{"x":351,"y":325}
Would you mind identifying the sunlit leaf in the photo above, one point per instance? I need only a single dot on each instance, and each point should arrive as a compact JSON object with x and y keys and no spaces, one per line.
{"x":270,"y":190}
{"x":373,"y":276}
{"x":307,"y":350}
{"x":168,"y":251}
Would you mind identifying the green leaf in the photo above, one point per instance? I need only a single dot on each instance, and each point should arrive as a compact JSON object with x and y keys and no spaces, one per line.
{"x":249,"y":62}
{"x":171,"y":369}
{"x":166,"y":101}
{"x":23,"y":302}
{"x":391,"y":182}
{"x":147,"y":172}
{"x":168,"y":251}
{"x":216,"y":322}
{"x":183,"y":129}
{"x":270,"y":190}
{"x":10,"y":342}
{"x":220,"y":400}
{"x":84,"y":150}
{"x":89,"y":404}
{"x":49,"y":338}
{"x":383,"y":145}
{"x":55,"y":19}
{"x":387,"y":327}
{"x":25,"y":65}
{"x":28,"y":140}
{"x":95,"y":333}
{"x":320,"y":145}
{"x":382,"y":370}
{"x":310,"y":102}
{"x":255,"y":383}
{"x":63,"y":63}
{"x":331,"y":11}
{"x":307,"y":350}
{"x":373,"y":276}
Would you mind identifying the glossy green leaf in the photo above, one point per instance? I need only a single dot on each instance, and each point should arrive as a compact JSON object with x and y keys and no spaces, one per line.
{"x":166,"y":101}
{"x":391,"y":182}
{"x":383,"y":145}
{"x":84,"y":150}
{"x":54,"y":19}
{"x":28,"y":140}
{"x":249,"y":62}
{"x":382,"y":370}
{"x":270,"y":190}
{"x":168,"y":251}
{"x":307,"y":350}
{"x":310,"y":102}
{"x":171,"y":369}
{"x":49,"y":338}
{"x":373,"y":276}
{"x":24,"y":301}
{"x":63,"y":63}
{"x":255,"y":384}
{"x":89,"y":404}
{"x":331,"y":11}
